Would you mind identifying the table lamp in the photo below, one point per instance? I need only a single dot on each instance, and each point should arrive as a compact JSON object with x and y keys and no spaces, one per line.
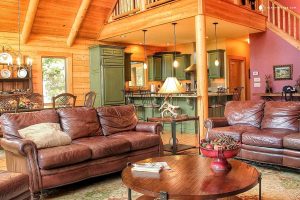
{"x":170,"y":86}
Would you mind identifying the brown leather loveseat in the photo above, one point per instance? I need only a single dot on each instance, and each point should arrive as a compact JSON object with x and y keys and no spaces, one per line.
{"x":103,"y":141}
{"x":269,"y":131}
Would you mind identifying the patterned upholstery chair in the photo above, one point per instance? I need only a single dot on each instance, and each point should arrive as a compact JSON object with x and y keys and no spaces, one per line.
{"x":64,"y":100}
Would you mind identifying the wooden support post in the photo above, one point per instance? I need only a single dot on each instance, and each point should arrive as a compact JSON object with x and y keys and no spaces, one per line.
{"x":202,"y":76}
{"x":29,"y":19}
{"x":78,"y":20}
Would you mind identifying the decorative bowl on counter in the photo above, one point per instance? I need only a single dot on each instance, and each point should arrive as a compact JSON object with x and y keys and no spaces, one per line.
{"x":220,"y":149}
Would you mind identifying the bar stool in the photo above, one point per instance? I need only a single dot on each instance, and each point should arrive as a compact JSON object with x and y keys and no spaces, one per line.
{"x":217,"y":105}
{"x":149,"y":103}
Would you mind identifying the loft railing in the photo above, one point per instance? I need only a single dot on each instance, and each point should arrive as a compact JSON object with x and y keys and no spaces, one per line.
{"x":284,"y":19}
{"x":129,"y":7}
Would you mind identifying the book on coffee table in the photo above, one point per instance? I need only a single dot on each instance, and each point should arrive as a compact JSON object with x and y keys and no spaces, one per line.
{"x":155,"y":167}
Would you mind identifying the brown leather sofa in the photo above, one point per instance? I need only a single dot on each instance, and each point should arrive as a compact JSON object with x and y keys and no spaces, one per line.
{"x":268,"y":131}
{"x":104,"y":140}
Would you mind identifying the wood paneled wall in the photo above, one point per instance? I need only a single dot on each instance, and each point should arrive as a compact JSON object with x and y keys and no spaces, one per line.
{"x":42,"y":46}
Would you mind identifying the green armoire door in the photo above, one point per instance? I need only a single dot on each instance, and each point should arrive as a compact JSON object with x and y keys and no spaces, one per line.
{"x":107,"y":77}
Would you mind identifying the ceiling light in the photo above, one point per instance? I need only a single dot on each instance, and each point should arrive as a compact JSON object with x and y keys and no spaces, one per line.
{"x":217,"y":62}
{"x":145,"y":55}
{"x":175,"y":62}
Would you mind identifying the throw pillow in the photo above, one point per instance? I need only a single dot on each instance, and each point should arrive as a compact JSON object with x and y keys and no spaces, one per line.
{"x":45,"y":135}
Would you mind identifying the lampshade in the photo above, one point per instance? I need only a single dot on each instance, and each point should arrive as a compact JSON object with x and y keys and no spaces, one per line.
{"x":171,"y":86}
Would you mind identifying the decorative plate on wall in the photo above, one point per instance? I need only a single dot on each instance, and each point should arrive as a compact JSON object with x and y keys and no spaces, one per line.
{"x":5,"y":73}
{"x":22,"y":73}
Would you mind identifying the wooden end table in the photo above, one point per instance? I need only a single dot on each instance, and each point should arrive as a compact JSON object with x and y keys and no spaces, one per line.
{"x":191,"y":178}
{"x":177,"y":147}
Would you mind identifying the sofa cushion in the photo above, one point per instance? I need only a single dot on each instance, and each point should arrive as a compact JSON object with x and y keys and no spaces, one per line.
{"x":292,"y":141}
{"x":116,"y":119}
{"x":283,"y":115}
{"x":45,"y":135}
{"x":266,"y":137}
{"x":138,"y":140}
{"x":244,"y":112}
{"x":12,"y":122}
{"x":234,"y":131}
{"x":102,"y":146}
{"x":62,"y":156}
{"x":79,"y":122}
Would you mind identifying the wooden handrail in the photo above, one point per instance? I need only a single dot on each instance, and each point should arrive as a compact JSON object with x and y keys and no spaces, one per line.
{"x":284,"y":19}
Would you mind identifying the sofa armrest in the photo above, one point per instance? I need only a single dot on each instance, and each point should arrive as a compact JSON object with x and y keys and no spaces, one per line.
{"x":18,"y":151}
{"x":17,"y":146}
{"x":214,"y":122}
{"x":152,"y":127}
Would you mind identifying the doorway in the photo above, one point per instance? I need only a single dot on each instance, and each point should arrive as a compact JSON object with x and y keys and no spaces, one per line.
{"x":237,"y":74}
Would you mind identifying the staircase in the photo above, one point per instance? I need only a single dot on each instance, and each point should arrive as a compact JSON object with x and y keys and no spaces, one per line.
{"x":284,"y":22}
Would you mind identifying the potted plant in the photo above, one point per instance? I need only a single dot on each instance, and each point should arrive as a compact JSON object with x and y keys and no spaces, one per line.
{"x":268,"y":84}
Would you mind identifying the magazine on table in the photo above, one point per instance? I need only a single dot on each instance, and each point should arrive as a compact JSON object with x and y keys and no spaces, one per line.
{"x":155,"y":167}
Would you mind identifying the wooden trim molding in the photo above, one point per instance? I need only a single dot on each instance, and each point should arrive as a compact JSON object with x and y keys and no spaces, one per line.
{"x":78,"y":20}
{"x":29,"y":19}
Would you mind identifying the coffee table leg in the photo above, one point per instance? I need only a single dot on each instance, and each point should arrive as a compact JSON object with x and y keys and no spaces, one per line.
{"x":129,"y":194}
{"x":173,"y":127}
{"x":259,"y":187}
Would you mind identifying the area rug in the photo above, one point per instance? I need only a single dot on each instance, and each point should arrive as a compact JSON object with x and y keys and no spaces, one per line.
{"x":277,"y":184}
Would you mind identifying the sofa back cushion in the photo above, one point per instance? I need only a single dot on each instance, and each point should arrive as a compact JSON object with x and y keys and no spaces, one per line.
{"x":283,"y":115}
{"x":79,"y":122}
{"x":244,"y":112}
{"x":12,"y":122}
{"x":116,"y":119}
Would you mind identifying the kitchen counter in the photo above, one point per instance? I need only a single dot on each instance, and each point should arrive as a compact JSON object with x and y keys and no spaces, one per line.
{"x":179,"y":95}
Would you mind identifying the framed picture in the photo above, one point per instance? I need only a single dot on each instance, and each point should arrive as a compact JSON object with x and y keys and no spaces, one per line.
{"x":283,"y":72}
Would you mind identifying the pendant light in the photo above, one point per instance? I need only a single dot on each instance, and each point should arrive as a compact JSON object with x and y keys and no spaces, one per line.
{"x":217,"y":62}
{"x":145,"y":54}
{"x":175,"y":62}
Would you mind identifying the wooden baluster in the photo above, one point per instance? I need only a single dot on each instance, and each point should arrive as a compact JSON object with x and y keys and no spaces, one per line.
{"x":289,"y":23}
{"x":278,"y":17}
{"x":295,"y":31}
{"x":273,"y":13}
{"x":269,"y":10}
{"x":283,"y":20}
{"x":143,"y":4}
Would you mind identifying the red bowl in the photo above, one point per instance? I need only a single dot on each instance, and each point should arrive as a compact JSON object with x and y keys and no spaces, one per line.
{"x":211,"y":153}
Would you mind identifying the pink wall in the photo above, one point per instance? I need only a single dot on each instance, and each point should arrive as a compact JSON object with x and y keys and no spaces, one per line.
{"x":293,"y":5}
{"x":268,"y":49}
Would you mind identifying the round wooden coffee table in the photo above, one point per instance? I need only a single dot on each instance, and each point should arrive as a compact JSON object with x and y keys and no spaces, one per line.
{"x":191,"y":178}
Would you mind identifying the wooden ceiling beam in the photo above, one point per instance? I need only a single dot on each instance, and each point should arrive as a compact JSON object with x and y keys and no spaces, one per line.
{"x":29,"y":19}
{"x":78,"y":20}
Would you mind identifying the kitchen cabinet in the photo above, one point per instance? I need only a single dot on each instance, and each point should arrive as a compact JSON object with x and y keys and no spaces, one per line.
{"x":167,"y":65}
{"x":154,"y":68}
{"x":184,"y":62}
{"x":107,"y":77}
{"x":127,"y":66}
{"x":216,"y":71}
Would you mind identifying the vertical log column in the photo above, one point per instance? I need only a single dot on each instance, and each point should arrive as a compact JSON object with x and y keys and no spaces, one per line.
{"x":202,"y":76}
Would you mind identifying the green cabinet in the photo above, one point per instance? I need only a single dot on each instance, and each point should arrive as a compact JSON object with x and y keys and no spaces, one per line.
{"x":167,"y":65}
{"x":154,"y":68}
{"x":216,"y":71}
{"x":184,"y":62}
{"x":107,"y":77}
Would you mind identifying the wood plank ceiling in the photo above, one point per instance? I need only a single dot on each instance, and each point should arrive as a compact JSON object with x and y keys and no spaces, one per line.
{"x":56,"y":17}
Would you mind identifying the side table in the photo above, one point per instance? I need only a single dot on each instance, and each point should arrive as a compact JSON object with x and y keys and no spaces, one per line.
{"x":177,"y":147}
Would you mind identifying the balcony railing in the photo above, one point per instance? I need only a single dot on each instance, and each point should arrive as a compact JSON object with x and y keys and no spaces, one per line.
{"x":125,"y":8}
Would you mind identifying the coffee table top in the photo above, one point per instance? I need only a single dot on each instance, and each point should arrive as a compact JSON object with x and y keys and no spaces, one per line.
{"x":191,"y":177}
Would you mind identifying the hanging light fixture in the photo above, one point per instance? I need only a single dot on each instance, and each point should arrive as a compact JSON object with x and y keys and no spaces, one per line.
{"x":175,"y":62}
{"x":217,"y":62}
{"x":145,"y":54}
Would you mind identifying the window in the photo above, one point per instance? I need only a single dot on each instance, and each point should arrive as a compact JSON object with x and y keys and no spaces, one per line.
{"x":54,"y":77}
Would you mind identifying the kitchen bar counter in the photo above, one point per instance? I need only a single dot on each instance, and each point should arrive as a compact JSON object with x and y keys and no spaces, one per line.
{"x":186,"y":101}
